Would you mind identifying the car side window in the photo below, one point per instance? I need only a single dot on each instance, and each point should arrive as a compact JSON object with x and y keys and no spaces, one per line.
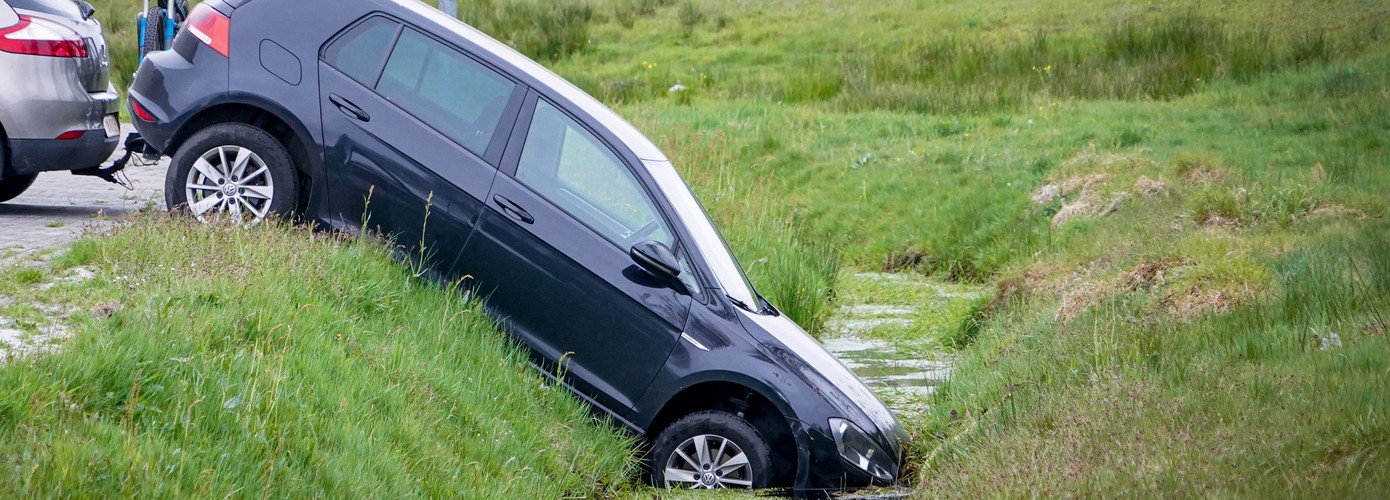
{"x":360,"y":52}
{"x":567,"y":165}
{"x":458,"y":96}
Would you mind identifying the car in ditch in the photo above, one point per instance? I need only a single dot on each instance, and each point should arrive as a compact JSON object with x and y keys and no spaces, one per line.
{"x":58,"y":107}
{"x":573,"y":227}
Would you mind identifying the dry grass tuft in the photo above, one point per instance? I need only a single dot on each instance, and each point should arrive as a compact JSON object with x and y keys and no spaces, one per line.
{"x":1196,"y":302}
{"x":1150,"y":187}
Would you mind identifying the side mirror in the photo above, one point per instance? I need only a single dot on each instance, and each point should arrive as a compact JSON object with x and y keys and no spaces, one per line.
{"x":656,"y":258}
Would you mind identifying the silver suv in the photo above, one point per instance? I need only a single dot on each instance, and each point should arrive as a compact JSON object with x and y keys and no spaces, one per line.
{"x":58,"y":108}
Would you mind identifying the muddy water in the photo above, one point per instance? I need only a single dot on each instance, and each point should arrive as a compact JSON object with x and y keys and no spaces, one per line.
{"x":888,"y":331}
{"x":886,"y":369}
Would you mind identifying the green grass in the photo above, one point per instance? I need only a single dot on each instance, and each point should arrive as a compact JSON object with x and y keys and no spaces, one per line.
{"x":278,"y":362}
{"x":1156,"y":327}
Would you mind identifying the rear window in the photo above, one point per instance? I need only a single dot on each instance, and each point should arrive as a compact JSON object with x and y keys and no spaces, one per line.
{"x":65,"y":8}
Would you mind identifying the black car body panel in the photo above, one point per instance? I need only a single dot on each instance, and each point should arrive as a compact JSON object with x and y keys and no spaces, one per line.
{"x":481,"y":188}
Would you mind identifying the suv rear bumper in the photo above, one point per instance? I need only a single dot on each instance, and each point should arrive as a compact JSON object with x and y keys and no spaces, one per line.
{"x":31,"y":156}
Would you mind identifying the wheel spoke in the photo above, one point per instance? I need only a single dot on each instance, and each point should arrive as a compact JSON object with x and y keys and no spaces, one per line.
{"x":222,"y":160}
{"x":742,"y":483}
{"x":262,"y":192}
{"x":736,"y":461}
{"x":259,"y":214}
{"x":693,"y":464}
{"x":202,"y":187}
{"x":674,"y":475}
{"x":202,"y":206}
{"x":210,"y":173}
{"x":234,"y":209}
{"x":255,"y":174}
{"x":702,"y":450}
{"x":243,"y":156}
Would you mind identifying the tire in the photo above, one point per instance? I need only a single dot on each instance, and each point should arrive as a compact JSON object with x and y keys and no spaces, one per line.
{"x":235,"y":172}
{"x":736,"y":455}
{"x":154,"y":31}
{"x":12,"y":187}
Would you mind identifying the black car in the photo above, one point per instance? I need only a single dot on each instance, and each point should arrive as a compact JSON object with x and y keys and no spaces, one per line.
{"x":574,"y":227}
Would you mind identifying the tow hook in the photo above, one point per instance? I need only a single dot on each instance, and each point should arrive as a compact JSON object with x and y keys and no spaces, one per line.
{"x":115,"y":173}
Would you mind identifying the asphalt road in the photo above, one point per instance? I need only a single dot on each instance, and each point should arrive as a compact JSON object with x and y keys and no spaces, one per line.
{"x":59,"y":205}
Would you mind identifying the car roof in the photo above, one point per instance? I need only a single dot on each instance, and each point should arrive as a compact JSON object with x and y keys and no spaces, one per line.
{"x":545,"y":81}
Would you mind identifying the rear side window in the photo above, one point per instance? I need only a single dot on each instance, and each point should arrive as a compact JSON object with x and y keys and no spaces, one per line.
{"x":458,"y":96}
{"x":65,"y":8}
{"x":360,"y":52}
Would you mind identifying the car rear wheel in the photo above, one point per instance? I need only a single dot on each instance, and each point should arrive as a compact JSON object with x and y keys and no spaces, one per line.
{"x":12,"y":187}
{"x":711,"y":450}
{"x":234,"y":172}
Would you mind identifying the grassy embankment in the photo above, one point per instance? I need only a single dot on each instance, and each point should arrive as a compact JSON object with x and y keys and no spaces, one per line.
{"x":1216,"y":213}
{"x":216,"y":362}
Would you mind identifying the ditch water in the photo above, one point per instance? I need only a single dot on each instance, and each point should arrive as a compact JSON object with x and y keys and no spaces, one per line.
{"x":888,"y":332}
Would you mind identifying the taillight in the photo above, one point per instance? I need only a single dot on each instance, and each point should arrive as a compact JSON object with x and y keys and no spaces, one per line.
{"x":212,"y":28}
{"x":37,"y":36}
{"x":70,"y":135}
{"x":140,"y":111}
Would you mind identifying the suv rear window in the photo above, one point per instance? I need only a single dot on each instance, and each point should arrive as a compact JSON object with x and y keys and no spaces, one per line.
{"x":65,"y":8}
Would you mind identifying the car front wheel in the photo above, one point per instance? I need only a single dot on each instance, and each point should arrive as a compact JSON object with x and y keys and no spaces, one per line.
{"x":711,"y":450}
{"x":234,"y":172}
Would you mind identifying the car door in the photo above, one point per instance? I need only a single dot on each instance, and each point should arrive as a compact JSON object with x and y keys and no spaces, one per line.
{"x":412,"y":128}
{"x":551,"y":254}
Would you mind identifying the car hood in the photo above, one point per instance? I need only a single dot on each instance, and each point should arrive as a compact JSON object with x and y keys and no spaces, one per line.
{"x":817,"y":365}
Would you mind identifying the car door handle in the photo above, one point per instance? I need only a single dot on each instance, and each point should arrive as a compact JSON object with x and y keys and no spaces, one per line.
{"x":513,"y":210}
{"x":348,"y":108}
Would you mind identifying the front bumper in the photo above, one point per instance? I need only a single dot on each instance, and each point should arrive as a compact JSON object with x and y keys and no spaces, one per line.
{"x":824,"y":472}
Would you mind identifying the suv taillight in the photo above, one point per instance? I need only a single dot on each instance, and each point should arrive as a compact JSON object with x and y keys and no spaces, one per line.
{"x":36,"y":36}
{"x":212,"y":28}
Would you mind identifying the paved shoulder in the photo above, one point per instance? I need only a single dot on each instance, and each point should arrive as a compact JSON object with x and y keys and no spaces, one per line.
{"x":59,"y":205}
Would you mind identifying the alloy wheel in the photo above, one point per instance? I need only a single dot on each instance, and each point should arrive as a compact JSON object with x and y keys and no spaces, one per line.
{"x":230,"y":182}
{"x":709,"y":462}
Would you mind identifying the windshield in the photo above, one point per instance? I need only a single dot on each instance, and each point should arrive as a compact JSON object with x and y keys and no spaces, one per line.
{"x":707,"y":239}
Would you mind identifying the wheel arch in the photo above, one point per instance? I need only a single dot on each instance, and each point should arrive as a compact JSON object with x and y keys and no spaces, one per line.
{"x":268,"y":116}
{"x":757,"y":404}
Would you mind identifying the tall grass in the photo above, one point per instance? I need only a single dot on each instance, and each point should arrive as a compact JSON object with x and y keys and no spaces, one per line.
{"x":278,"y":362}
{"x":1304,"y":366}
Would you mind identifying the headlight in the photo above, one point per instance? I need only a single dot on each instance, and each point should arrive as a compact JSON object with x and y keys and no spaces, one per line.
{"x":856,"y":448}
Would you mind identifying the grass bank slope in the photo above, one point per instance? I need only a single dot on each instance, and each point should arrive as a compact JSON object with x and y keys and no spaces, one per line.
{"x":214,"y":362}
